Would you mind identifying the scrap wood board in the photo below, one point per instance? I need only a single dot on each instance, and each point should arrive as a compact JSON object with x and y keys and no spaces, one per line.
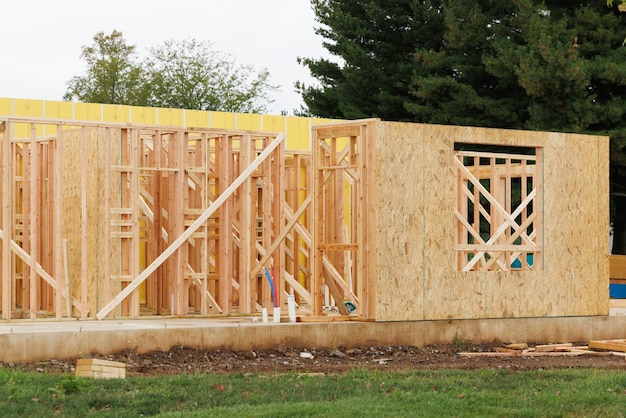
{"x":564,"y":349}
{"x":100,"y":369}
{"x":613,"y":345}
{"x":323,"y":318}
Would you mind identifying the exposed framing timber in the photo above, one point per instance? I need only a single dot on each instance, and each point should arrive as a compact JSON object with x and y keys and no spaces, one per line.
{"x":175,"y":245}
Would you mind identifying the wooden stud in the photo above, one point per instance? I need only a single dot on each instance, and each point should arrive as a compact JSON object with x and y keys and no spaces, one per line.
{"x":134,"y":198}
{"x":7,"y":220}
{"x":58,"y":241}
{"x":33,"y":219}
{"x":246,"y":231}
{"x":176,"y":219}
{"x":106,"y":202}
{"x":224,"y":245}
{"x":158,"y":244}
{"x":538,"y":208}
{"x":317,"y":270}
{"x":84,"y":224}
{"x":21,"y":291}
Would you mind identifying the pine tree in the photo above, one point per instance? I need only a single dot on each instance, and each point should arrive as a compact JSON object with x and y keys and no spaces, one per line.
{"x":554,"y":65}
{"x":451,"y":84}
{"x":374,"y":42}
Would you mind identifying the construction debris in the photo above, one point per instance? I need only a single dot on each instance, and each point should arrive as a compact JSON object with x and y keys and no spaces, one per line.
{"x":100,"y":369}
{"x":612,"y":345}
{"x":616,"y":347}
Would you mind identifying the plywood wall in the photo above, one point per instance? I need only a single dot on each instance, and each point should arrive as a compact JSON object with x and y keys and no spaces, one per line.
{"x":415,"y":274}
{"x":392,"y":185}
{"x":84,"y":215}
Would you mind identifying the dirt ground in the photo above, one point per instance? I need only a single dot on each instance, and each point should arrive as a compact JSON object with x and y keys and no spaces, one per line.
{"x":283,"y":359}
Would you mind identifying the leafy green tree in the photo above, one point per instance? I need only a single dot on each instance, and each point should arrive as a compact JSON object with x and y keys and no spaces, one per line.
{"x":189,"y":74}
{"x":112,"y":76}
{"x":373,"y":42}
{"x":178,"y":74}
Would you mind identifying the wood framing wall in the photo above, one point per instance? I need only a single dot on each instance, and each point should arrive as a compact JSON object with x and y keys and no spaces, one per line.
{"x":417,"y":274}
{"x":379,"y":221}
{"x":126,"y":220}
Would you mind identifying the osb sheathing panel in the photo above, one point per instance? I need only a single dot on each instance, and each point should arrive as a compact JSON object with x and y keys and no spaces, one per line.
{"x":414,"y":204}
{"x":576,"y":220}
{"x":72,"y":214}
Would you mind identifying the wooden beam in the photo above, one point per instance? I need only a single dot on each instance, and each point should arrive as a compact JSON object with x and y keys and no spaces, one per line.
{"x":617,"y":266}
{"x":135,"y":199}
{"x":225,"y":229}
{"x":281,"y":237}
{"x":278,"y":220}
{"x":192,"y":228}
{"x":57,"y":215}
{"x":247,"y":230}
{"x":613,"y":345}
{"x":334,"y":274}
{"x":366,"y":222}
{"x":317,"y":268}
{"x":33,"y":207}
{"x":26,"y":258}
{"x":202,"y":285}
{"x":84,"y":224}
{"x":298,"y":288}
{"x":7,"y":219}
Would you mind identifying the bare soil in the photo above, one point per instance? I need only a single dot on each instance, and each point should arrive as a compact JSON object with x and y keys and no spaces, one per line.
{"x":284,"y":359}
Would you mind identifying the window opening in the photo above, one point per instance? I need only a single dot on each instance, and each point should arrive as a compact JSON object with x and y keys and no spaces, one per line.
{"x":498,"y":214}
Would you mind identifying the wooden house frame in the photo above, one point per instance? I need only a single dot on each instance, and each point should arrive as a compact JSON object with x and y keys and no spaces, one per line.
{"x":379,"y":221}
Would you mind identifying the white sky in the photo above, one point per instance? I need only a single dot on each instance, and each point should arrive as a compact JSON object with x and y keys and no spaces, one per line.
{"x":42,"y":39}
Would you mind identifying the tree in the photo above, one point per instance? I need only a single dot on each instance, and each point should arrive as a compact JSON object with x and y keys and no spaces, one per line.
{"x":556,"y":65}
{"x":112,"y":73}
{"x":451,"y":84}
{"x":188,"y":74}
{"x":542,"y":66}
{"x":179,"y":74}
{"x":374,"y":42}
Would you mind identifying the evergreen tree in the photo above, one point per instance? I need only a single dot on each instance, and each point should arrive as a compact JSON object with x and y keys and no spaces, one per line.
{"x":553,"y":65}
{"x":374,"y":42}
{"x":451,"y":84}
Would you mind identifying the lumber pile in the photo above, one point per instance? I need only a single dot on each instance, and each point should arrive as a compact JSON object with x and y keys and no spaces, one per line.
{"x":100,"y":369}
{"x":616,"y":347}
{"x":561,"y":349}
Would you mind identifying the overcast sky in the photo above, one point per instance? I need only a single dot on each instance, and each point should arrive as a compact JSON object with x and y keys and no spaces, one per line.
{"x":42,"y":39}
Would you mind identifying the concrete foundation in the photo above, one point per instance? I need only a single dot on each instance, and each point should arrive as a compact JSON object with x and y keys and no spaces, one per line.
{"x":27,"y":341}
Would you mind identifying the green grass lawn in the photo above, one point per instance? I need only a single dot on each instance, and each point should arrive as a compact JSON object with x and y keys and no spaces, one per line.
{"x":361,"y":393}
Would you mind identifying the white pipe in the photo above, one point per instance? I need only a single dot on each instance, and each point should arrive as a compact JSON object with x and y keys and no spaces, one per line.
{"x":276,"y":313}
{"x":291,"y":307}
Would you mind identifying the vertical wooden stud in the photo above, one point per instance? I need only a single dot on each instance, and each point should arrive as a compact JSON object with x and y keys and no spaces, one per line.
{"x":58,"y":223}
{"x":106,"y":230}
{"x":246,"y":229}
{"x":84,"y":247}
{"x":538,"y":208}
{"x":224,"y":247}
{"x":317,"y":287}
{"x":278,"y":219}
{"x":33,"y":219}
{"x":135,"y":242}
{"x":7,"y":220}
